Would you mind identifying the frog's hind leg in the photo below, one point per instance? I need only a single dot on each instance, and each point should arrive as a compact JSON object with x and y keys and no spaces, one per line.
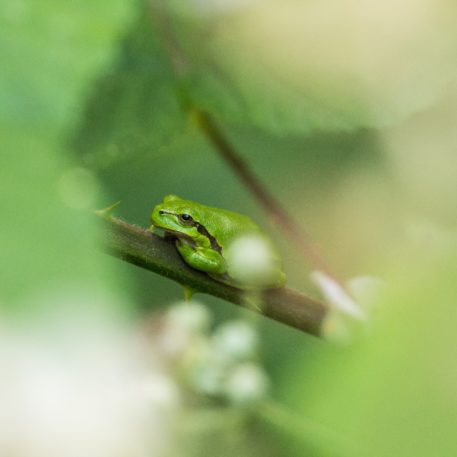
{"x":224,"y":278}
{"x":203,"y":259}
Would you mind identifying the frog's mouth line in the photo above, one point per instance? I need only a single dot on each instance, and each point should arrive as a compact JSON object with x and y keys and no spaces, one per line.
{"x":172,"y":233}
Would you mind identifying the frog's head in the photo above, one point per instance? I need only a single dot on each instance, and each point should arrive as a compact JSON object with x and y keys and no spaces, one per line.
{"x":176,"y":216}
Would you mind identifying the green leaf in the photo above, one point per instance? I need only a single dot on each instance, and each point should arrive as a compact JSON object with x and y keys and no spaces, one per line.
{"x":295,"y":67}
{"x":50,"y":52}
{"x":394,"y":392}
{"x":134,"y":108}
{"x":287,"y":68}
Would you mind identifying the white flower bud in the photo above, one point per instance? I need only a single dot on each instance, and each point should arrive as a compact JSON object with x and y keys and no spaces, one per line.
{"x":253,"y":261}
{"x":235,"y":340}
{"x":246,"y":384}
{"x":191,"y":317}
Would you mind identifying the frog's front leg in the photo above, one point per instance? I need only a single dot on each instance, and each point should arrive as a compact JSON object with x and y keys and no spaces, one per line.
{"x":201,"y":258}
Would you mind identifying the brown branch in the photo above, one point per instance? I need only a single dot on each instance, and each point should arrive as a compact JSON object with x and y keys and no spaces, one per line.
{"x":144,"y":249}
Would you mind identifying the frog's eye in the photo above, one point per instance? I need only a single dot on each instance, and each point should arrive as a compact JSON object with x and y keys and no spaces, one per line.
{"x":186,"y":218}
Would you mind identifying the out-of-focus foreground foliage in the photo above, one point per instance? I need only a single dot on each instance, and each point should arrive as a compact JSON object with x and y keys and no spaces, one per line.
{"x":345,"y":110}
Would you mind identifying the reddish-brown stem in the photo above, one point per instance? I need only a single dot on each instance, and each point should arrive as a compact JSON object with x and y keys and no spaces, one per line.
{"x":275,"y":211}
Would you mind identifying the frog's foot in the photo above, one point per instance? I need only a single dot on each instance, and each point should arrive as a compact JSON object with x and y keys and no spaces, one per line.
{"x":188,"y":293}
{"x":203,"y":259}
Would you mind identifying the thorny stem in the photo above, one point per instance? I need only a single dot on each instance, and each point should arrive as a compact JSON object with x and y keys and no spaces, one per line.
{"x":144,"y":249}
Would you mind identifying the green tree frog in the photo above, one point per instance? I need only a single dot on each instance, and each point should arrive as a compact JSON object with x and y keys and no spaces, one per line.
{"x":226,"y":245}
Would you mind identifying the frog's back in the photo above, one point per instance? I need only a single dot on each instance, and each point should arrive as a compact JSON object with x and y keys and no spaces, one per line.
{"x":226,"y":225}
{"x":252,"y":259}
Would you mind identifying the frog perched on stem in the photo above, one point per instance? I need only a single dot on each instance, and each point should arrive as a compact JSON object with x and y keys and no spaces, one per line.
{"x":228,"y":246}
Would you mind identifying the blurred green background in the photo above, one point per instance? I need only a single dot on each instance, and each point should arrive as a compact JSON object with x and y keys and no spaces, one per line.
{"x":346,"y":112}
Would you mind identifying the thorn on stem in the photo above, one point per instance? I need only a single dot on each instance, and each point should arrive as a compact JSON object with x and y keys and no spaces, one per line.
{"x":108,"y":211}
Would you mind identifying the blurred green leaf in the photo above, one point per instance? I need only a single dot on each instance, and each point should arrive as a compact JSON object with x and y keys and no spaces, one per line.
{"x":134,"y":108}
{"x":292,"y":67}
{"x":394,"y":393}
{"x":50,"y":52}
{"x":285,"y":68}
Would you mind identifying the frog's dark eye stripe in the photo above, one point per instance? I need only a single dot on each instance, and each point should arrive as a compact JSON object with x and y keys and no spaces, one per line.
{"x":214,"y":244}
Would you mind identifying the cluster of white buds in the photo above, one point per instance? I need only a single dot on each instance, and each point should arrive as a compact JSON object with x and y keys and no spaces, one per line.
{"x":79,"y":386}
{"x":220,"y":363}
